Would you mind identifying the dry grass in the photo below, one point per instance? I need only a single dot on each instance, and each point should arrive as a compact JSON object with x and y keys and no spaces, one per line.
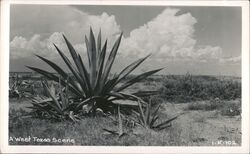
{"x":192,"y":129}
{"x":209,"y":118}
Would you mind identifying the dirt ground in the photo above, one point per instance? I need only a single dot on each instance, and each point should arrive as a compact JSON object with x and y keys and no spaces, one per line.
{"x":203,"y":128}
{"x":206,"y":127}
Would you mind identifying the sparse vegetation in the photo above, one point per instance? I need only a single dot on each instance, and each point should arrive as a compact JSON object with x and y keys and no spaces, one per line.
{"x":149,"y":118}
{"x":231,"y":108}
{"x":19,"y":88}
{"x":94,"y":107}
{"x":196,"y":88}
{"x":227,"y":108}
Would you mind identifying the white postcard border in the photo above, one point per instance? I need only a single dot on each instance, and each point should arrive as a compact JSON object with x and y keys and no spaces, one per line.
{"x":4,"y":55}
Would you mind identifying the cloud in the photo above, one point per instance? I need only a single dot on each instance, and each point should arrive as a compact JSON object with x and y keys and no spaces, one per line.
{"x":48,"y":29}
{"x":47,"y":19}
{"x":208,"y":53}
{"x":169,"y":37}
{"x":231,"y":60}
{"x":165,"y":36}
{"x":21,"y":47}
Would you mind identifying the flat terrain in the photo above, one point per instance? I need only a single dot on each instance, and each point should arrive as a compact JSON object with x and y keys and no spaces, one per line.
{"x":209,"y":119}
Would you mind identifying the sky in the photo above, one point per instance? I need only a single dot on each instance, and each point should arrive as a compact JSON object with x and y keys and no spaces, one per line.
{"x":198,"y":40}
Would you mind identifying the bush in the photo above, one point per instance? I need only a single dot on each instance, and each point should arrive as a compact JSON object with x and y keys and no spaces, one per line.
{"x":231,"y":109}
{"x":196,"y":88}
{"x":204,"y":105}
{"x":226,"y":108}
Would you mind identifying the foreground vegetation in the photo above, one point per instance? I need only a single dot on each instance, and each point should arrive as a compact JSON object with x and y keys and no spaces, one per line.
{"x":196,"y":127}
{"x":205,"y":120}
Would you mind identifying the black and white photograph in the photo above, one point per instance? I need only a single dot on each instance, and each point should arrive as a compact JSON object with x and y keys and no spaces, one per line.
{"x":126,"y":75}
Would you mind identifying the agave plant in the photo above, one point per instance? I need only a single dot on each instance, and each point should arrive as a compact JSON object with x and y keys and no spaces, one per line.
{"x":57,"y":106}
{"x":120,"y":131}
{"x":14,"y":88}
{"x":93,"y":84}
{"x":18,"y":87}
{"x":149,"y":118}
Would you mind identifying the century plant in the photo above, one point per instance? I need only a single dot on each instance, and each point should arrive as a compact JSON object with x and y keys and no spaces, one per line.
{"x":14,"y":90}
{"x":120,"y":131}
{"x":93,"y":84}
{"x":18,"y":87}
{"x":148,"y":117}
{"x":58,"y":105}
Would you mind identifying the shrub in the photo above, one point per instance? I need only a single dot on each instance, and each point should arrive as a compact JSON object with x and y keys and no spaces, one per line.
{"x":196,"y":88}
{"x":205,"y":105}
{"x":231,"y":109}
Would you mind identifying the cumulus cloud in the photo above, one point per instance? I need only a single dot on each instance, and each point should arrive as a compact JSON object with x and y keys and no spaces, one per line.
{"x":169,"y":37}
{"x":231,"y":60}
{"x":21,"y":47}
{"x":48,"y":29}
{"x":208,"y":53}
{"x":45,"y":20}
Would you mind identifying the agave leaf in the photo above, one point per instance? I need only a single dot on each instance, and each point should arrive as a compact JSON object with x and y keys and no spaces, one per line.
{"x":111,"y":59}
{"x":53,"y":77}
{"x":99,"y":43}
{"x":78,"y":62}
{"x":35,"y":102}
{"x":40,"y":107}
{"x":108,"y":86}
{"x":73,"y":70}
{"x":125,"y":96}
{"x":85,"y":75}
{"x":137,"y":78}
{"x":66,"y":94}
{"x":112,"y":95}
{"x":62,"y":96}
{"x":142,"y":115}
{"x":92,"y":50}
{"x":163,"y":127}
{"x":120,"y":121}
{"x":156,"y":111}
{"x":166,"y":122}
{"x":130,"y":68}
{"x":43,"y":100}
{"x":111,"y":131}
{"x":151,"y":124}
{"x":145,"y":93}
{"x":125,"y":102}
{"x":54,"y":66}
{"x":55,"y":107}
{"x":116,"y":95}
{"x":148,"y":112}
{"x":100,"y":67}
{"x":127,"y":70}
{"x":88,"y":49}
{"x":58,"y":106}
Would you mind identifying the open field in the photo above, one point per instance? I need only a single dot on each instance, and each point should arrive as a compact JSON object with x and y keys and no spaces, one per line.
{"x":211,"y":108}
